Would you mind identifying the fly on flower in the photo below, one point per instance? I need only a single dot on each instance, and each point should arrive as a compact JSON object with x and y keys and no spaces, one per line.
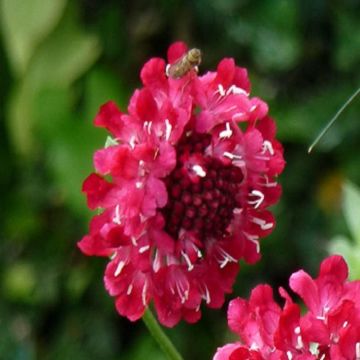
{"x":191,"y":60}
{"x":189,"y":190}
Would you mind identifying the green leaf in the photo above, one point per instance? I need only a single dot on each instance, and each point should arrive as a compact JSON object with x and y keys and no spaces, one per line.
{"x":351,"y":208}
{"x":59,"y":61}
{"x":19,"y":282}
{"x":275,"y":49}
{"x":101,"y":86}
{"x":145,"y":348}
{"x":273,"y":37}
{"x":69,"y":142}
{"x":110,"y":142}
{"x":343,"y":246}
{"x":19,"y":119}
{"x":25,"y":24}
{"x":347,"y":49}
{"x":70,"y":159}
{"x":85,"y":334}
{"x":65,"y":56}
{"x":77,"y":281}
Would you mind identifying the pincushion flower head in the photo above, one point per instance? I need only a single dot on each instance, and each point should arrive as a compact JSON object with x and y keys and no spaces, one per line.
{"x":329,"y":329}
{"x":183,"y":190}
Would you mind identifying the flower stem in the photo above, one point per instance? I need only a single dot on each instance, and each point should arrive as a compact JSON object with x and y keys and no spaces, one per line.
{"x":327,"y":127}
{"x":160,"y":337}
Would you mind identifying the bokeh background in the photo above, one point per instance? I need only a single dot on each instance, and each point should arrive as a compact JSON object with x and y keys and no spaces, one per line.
{"x":60,"y":60}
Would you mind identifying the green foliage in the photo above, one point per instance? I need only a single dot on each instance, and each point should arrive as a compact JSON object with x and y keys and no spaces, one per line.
{"x":347,"y":54}
{"x":60,"y":60}
{"x":64,"y":55}
{"x":274,"y":40}
{"x":341,"y":244}
{"x":25,"y":25}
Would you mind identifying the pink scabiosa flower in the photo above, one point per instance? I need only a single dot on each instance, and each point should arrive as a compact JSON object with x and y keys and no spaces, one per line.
{"x":329,"y":329}
{"x":183,"y":190}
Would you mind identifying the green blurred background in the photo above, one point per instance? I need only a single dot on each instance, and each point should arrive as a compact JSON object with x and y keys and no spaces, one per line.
{"x":60,"y":60}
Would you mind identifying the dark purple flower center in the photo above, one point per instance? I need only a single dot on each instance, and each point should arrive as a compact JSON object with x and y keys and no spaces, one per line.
{"x":203,"y":192}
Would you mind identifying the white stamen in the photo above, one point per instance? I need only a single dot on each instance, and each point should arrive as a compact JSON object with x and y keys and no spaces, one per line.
{"x":129,"y":289}
{"x":289,"y":355}
{"x":197,"y":250}
{"x":236,"y":90}
{"x":132,"y":142}
{"x":119,"y":268}
{"x":156,"y":262}
{"x":221,"y":90}
{"x":299,"y":342}
{"x":134,"y":240}
{"x":254,"y":239}
{"x":253,"y":108}
{"x":226,"y":133}
{"x":323,"y":357}
{"x":156,"y":153}
{"x":321,"y":317}
{"x":186,"y":294}
{"x":144,"y":248}
{"x":199,"y":170}
{"x":262,"y":223}
{"x":139,"y":184}
{"x":168,"y":128}
{"x":141,"y":171}
{"x":268,"y":183}
{"x":254,"y":346}
{"x":345,"y":324}
{"x":238,"y":116}
{"x":226,"y":258}
{"x":172,"y":290}
{"x":183,"y":297}
{"x":231,"y":108}
{"x":232,"y":156}
{"x":268,"y":146}
{"x":187,"y":260}
{"x":237,"y":211}
{"x":143,"y":294}
{"x":240,"y":164}
{"x":357,"y":350}
{"x":183,"y":294}
{"x":224,"y":263}
{"x":147,"y":126}
{"x":271,"y":184}
{"x":113,"y":255}
{"x":206,"y":296}
{"x":259,"y":198}
{"x":116,"y":218}
{"x":297,"y":330}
